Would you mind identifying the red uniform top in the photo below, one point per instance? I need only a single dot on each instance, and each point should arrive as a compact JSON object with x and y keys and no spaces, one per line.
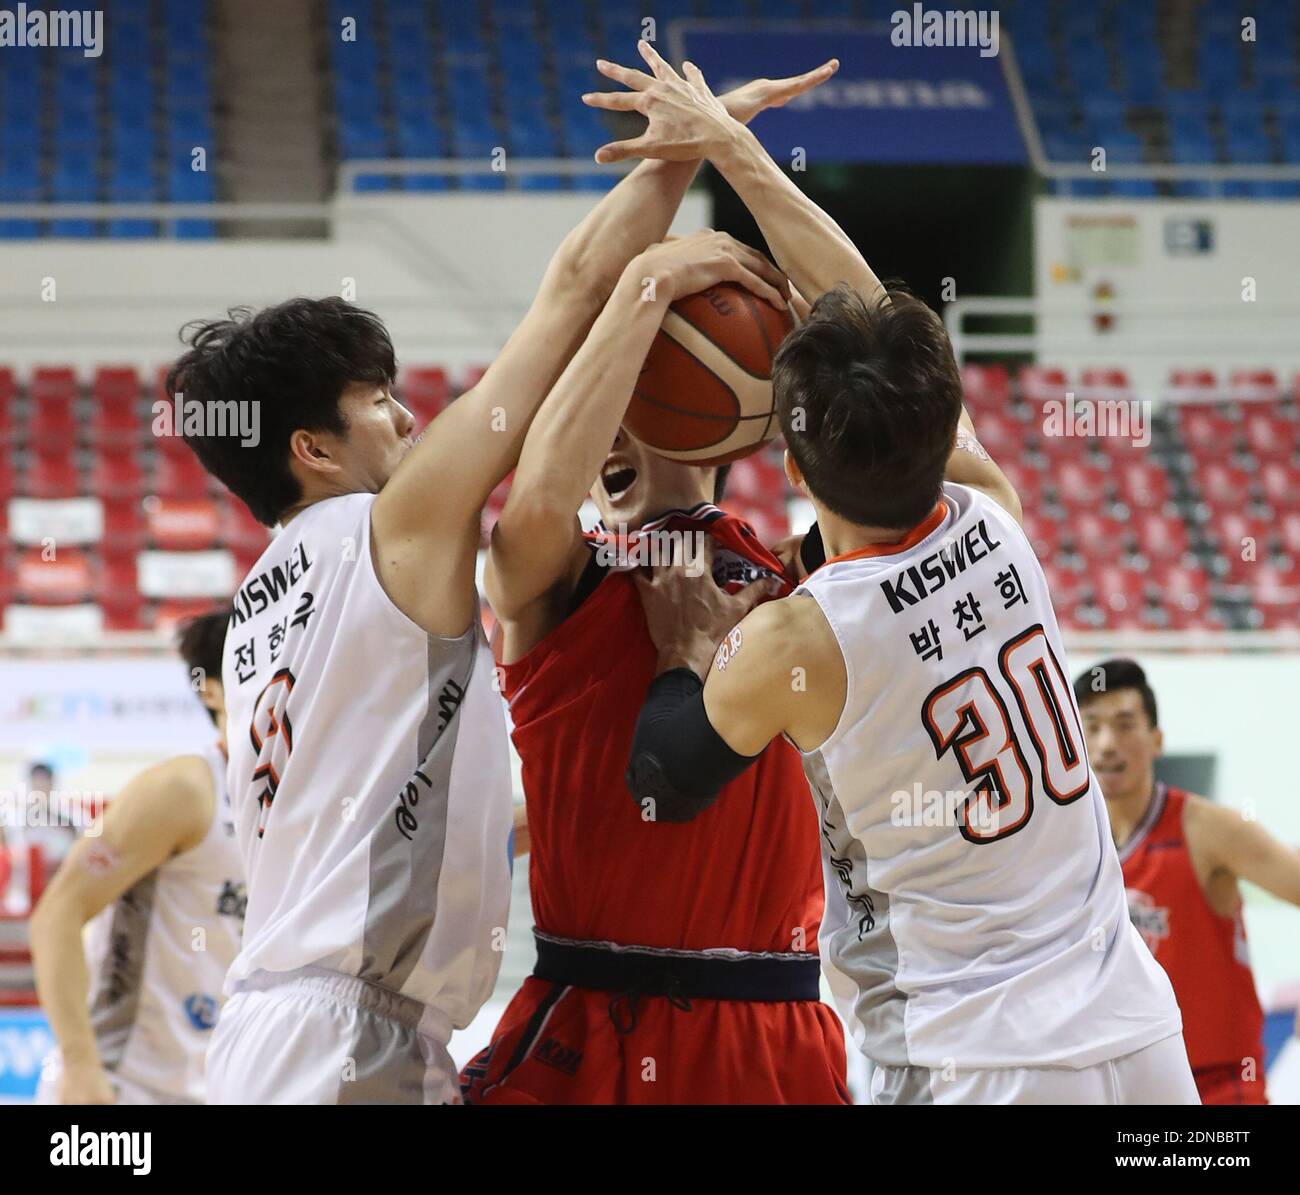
{"x":744,"y":874}
{"x":1204,"y":954}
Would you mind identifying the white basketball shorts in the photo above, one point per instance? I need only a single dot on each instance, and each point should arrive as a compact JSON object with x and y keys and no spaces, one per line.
{"x":1157,"y":1074}
{"x":318,"y":1037}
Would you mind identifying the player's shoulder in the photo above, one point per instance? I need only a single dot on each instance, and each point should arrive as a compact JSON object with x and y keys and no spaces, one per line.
{"x":789,"y":629}
{"x":179,"y":791}
{"x":1202,"y":815}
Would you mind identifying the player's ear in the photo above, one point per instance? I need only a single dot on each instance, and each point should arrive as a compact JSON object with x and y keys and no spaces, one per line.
{"x":1158,"y":740}
{"x":792,"y":473}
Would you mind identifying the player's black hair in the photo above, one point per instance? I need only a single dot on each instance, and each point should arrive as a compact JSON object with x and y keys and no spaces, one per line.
{"x":720,"y":483}
{"x":39,"y":765}
{"x":200,"y":641}
{"x":294,"y":360}
{"x":1112,"y":675}
{"x":869,"y":396}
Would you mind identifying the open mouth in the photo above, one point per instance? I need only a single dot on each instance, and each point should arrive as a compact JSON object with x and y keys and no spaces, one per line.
{"x":617,"y":480}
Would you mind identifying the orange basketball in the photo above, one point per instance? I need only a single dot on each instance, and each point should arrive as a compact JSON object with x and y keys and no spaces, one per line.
{"x":705,"y":391}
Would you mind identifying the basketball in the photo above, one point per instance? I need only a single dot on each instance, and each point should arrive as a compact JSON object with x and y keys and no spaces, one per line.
{"x":705,"y":392}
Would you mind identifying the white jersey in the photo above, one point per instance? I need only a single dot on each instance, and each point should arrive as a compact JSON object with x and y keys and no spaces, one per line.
{"x":158,"y":957}
{"x":368,"y":773}
{"x":975,"y":911}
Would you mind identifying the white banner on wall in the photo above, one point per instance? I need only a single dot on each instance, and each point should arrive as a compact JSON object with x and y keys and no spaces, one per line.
{"x":54,"y":707}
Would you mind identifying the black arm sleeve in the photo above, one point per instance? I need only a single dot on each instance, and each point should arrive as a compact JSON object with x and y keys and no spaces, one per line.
{"x":812,"y":552}
{"x":679,"y":762}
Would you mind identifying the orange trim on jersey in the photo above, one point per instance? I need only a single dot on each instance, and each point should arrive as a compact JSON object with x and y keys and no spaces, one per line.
{"x":893,"y":547}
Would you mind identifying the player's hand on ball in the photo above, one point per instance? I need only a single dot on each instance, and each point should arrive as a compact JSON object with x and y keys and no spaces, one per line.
{"x":688,"y":265}
{"x":687,"y":121}
{"x":85,"y":1085}
{"x":686,"y":612}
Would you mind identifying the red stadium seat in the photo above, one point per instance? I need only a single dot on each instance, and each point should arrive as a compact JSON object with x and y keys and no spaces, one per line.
{"x":1288,"y":532}
{"x":178,"y":474}
{"x":114,"y":382}
{"x":1000,"y":433}
{"x":1280,"y":484}
{"x":1276,"y":593}
{"x":1038,"y":383}
{"x":1159,"y":536}
{"x":1181,"y":587}
{"x":1115,"y":587}
{"x":1067,"y":586}
{"x":1193,"y":385}
{"x":1098,"y":537}
{"x":1207,"y":427}
{"x":1105,"y":384}
{"x":1045,"y":535}
{"x":52,"y":473}
{"x":8,"y":420}
{"x":1028,"y":482}
{"x":53,"y":382}
{"x":1140,"y":482}
{"x":985,"y":388}
{"x":52,"y":423}
{"x":123,"y":526}
{"x":1223,"y":484}
{"x":1239,"y":538}
{"x":64,"y":579}
{"x":1080,"y":484}
{"x":117,"y":420}
{"x":116,"y":473}
{"x":1270,"y":435}
{"x":1249,"y":385}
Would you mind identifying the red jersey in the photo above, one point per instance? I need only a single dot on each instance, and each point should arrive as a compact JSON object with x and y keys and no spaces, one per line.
{"x":1205,"y":955}
{"x":745,"y":874}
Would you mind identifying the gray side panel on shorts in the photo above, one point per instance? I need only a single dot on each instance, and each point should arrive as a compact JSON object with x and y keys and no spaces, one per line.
{"x":387,"y":1064}
{"x":902,"y":1085}
{"x":863,"y":949}
{"x":115,"y":1003}
{"x":407,"y":848}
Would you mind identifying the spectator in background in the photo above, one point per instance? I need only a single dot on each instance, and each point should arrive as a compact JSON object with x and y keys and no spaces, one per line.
{"x":48,"y":824}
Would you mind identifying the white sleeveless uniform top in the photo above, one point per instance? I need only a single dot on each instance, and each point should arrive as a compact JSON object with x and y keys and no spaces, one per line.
{"x":158,"y":957}
{"x":975,"y":911}
{"x":369,"y":776}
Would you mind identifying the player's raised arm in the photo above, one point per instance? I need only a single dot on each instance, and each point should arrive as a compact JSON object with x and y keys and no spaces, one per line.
{"x":573,"y":431}
{"x":686,"y":120}
{"x":163,"y":811}
{"x":434,"y":499}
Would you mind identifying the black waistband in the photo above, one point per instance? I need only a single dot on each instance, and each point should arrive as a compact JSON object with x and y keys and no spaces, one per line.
{"x":683,"y":974}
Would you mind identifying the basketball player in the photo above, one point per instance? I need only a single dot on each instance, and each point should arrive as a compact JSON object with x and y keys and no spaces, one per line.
{"x":647,"y":990}
{"x":975,"y":931}
{"x":133,"y":1011}
{"x":368,"y":768}
{"x":1182,"y":857}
